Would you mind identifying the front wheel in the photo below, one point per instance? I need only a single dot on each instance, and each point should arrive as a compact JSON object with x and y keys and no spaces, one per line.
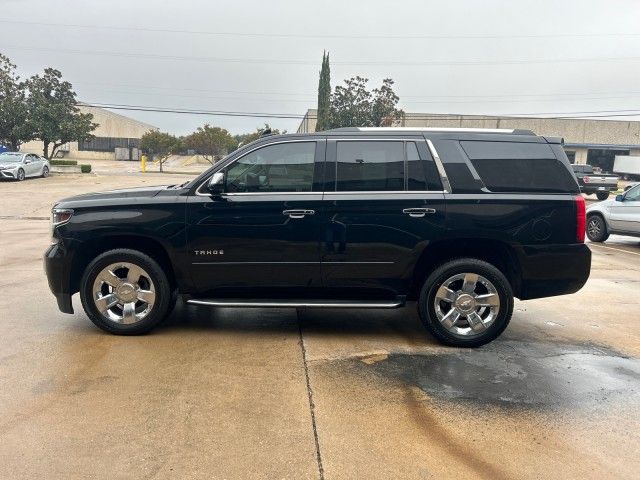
{"x":466,"y":303}
{"x":125,"y":292}
{"x":602,"y":195}
{"x":20,"y":175}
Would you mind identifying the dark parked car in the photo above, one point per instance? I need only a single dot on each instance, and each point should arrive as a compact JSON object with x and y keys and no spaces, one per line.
{"x":599,"y":183}
{"x":459,"y":220}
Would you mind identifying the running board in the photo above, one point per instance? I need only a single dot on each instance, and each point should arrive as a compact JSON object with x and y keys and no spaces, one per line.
{"x":234,"y":302}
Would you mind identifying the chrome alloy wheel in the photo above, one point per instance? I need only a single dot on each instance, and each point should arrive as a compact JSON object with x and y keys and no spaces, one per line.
{"x":594,"y":228}
{"x":467,"y":304}
{"x":124,"y":293}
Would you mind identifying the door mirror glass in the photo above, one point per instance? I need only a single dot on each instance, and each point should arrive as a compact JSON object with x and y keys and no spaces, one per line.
{"x":216,"y":184}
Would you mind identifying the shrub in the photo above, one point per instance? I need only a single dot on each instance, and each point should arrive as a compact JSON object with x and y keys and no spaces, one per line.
{"x":62,"y":162}
{"x":84,"y":168}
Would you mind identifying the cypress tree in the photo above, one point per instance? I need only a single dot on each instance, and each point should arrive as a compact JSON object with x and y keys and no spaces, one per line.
{"x":324,"y":94}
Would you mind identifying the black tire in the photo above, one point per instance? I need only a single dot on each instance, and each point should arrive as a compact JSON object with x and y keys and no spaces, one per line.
{"x":45,"y":171}
{"x":163,"y":298}
{"x":20,"y":175}
{"x":597,"y":228}
{"x":440,"y":275}
{"x":602,"y":195}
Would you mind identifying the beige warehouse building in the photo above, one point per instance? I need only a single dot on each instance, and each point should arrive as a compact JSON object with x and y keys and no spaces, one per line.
{"x":596,"y":142}
{"x":117,"y":137}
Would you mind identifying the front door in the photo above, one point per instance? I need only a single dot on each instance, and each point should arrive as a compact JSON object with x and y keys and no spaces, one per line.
{"x":383,"y":204}
{"x":261,"y":236}
{"x":625,"y":215}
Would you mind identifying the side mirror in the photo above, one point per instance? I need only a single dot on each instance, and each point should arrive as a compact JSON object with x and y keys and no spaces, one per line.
{"x":216,"y":184}
{"x":619,"y":198}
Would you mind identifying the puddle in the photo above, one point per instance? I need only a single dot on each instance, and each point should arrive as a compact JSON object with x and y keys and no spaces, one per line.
{"x":510,"y":373}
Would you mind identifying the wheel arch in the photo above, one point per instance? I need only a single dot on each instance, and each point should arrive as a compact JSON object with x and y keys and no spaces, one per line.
{"x":600,"y":214}
{"x":89,"y":250}
{"x":498,"y":253}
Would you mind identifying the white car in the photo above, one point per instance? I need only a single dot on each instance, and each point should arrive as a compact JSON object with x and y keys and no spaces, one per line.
{"x":620,"y":216}
{"x":18,"y":166}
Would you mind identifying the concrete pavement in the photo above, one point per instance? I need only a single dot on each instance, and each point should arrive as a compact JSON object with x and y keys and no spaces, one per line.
{"x":233,"y":393}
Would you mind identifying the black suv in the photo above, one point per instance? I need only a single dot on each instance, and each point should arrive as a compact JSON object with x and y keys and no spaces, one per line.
{"x":459,"y":220}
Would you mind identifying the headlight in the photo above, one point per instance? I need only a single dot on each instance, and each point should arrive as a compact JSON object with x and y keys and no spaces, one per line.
{"x":60,"y":216}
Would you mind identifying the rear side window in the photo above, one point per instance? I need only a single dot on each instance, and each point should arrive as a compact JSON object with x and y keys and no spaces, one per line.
{"x":370,"y":166}
{"x":519,"y":167}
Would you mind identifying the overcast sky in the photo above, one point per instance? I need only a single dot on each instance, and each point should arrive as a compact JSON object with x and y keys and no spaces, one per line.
{"x":485,"y":57}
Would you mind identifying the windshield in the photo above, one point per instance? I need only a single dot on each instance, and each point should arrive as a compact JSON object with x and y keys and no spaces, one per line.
{"x":11,"y":157}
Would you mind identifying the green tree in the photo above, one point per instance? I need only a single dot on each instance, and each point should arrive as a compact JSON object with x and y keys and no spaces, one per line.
{"x":54,"y":116}
{"x":13,"y":107}
{"x":210,"y":142}
{"x":160,"y":145}
{"x":324,"y":94}
{"x":352,"y":105}
{"x":245,"y":138}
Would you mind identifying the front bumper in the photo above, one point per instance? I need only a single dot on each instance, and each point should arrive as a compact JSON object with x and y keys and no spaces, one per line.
{"x":57,"y":263}
{"x":550,"y":270}
{"x":8,"y":174}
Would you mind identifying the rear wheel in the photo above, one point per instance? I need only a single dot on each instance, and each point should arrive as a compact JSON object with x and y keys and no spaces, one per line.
{"x":125,"y":292}
{"x":596,"y":229}
{"x":45,"y":171}
{"x":602,"y":195}
{"x":466,"y":303}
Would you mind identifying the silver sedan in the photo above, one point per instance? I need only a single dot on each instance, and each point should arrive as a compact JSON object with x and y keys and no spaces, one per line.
{"x":18,"y":166}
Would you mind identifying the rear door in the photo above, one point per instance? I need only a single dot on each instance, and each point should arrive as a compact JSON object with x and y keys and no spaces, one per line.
{"x":625,"y":215}
{"x":383,"y":205}
{"x":261,"y":236}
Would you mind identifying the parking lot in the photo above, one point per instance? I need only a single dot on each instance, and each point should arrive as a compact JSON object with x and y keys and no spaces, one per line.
{"x":250,"y":393}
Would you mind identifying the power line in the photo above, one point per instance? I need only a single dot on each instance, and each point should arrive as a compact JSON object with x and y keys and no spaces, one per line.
{"x":324,"y":36}
{"x":307,"y":96}
{"x":556,"y":115}
{"x":311,"y":100}
{"x":307,"y":62}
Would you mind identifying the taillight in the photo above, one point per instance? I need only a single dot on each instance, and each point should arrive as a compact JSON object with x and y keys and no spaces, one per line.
{"x":581,"y":218}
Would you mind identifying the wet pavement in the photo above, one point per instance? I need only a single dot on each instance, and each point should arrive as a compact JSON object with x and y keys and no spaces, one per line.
{"x":233,"y":393}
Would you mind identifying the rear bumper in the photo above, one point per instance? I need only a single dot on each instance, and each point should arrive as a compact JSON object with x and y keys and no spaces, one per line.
{"x":598,"y":188}
{"x":551,"y":270}
{"x":57,"y":267}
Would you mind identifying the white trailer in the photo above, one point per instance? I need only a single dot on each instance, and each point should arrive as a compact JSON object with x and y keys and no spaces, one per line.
{"x":627,"y":165}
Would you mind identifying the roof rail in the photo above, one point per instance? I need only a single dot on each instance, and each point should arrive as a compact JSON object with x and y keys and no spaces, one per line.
{"x":433,"y":129}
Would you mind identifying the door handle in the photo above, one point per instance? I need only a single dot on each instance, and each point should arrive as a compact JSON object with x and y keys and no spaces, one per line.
{"x":418,"y":212}
{"x":298,"y":213}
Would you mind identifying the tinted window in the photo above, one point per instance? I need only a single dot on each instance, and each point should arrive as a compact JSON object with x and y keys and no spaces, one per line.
{"x":370,"y":166}
{"x":416,"y":180}
{"x":519,"y":167}
{"x":284,"y":167}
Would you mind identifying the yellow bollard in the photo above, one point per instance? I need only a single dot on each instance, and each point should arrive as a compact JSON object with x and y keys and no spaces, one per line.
{"x":143,"y":163}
